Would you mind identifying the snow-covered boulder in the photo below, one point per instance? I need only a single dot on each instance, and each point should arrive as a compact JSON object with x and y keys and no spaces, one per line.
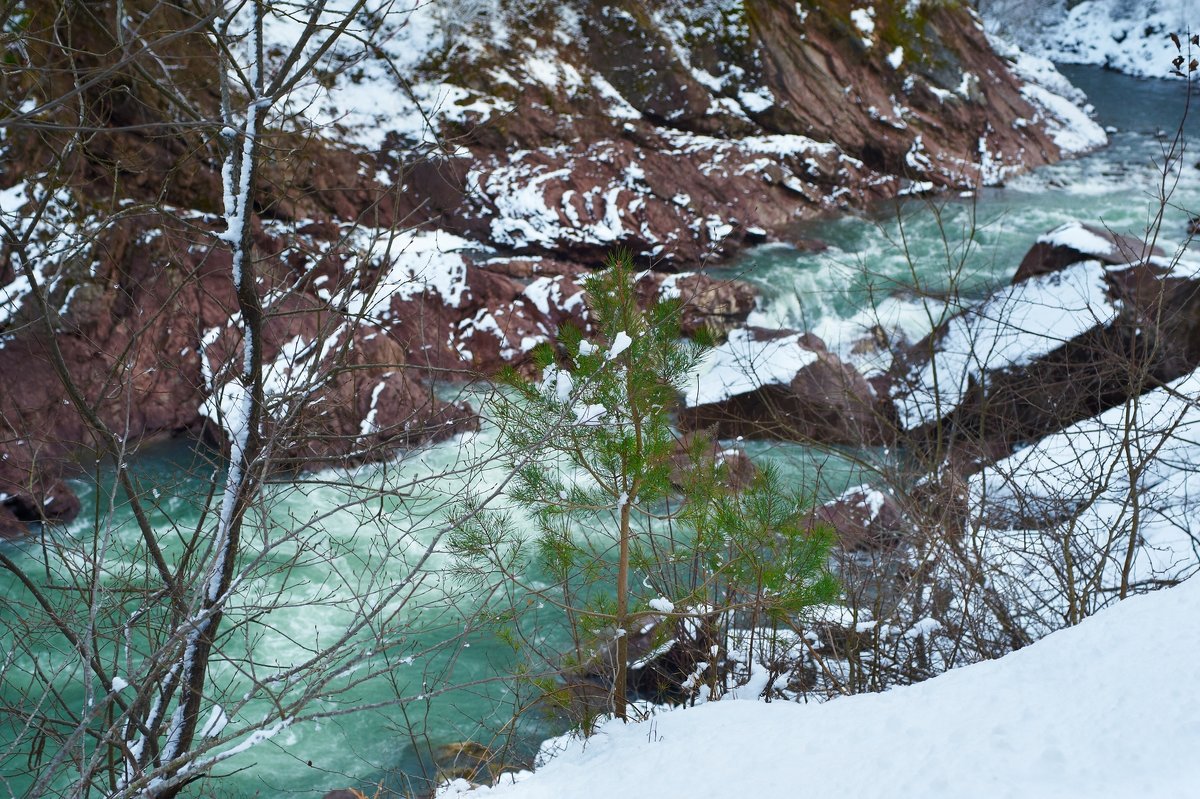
{"x":1074,"y":242}
{"x":782,"y":384}
{"x":1015,"y":329}
{"x":1090,"y":319}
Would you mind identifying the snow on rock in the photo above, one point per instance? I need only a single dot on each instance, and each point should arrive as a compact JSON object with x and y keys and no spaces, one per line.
{"x":537,"y":199}
{"x":1052,"y":719}
{"x":1079,"y":486}
{"x":408,"y":263}
{"x":1014,"y":327}
{"x":1061,"y":107}
{"x":548,"y":295}
{"x":57,"y":238}
{"x":1132,"y":37}
{"x":864,"y":20}
{"x":743,"y":363}
{"x":1075,"y":241}
{"x":864,"y":518}
{"x":385,"y":87}
{"x":1077,"y":237}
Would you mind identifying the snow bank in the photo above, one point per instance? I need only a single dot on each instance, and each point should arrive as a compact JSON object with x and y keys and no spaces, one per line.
{"x":1104,"y":709}
{"x":1078,"y":487}
{"x":1014,"y":327}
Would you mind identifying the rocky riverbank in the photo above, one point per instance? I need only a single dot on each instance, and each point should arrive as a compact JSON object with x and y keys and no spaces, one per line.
{"x":400,"y":248}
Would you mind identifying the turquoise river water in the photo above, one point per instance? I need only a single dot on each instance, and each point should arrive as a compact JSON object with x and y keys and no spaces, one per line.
{"x":366,"y":531}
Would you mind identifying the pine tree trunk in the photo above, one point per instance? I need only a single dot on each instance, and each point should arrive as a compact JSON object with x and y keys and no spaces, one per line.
{"x":619,"y":680}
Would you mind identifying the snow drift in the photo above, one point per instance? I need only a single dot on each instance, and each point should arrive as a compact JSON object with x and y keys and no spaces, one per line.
{"x":1104,"y":709}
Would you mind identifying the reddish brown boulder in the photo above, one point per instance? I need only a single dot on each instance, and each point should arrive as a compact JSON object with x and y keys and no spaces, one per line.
{"x":692,"y":447}
{"x":864,"y":518}
{"x":10,"y":526}
{"x":1074,"y":242}
{"x":822,"y":400}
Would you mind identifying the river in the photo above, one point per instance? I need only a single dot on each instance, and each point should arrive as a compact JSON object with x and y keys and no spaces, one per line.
{"x":953,"y":248}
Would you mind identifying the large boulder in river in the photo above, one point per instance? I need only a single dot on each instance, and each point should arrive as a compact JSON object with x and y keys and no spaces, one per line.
{"x":783,"y":385}
{"x":1057,"y":346}
{"x":1074,"y":242}
{"x":864,"y":519}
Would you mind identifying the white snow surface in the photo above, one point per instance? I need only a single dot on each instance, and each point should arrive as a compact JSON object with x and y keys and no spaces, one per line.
{"x":1103,"y":709}
{"x":382,"y":88}
{"x":1077,"y":484}
{"x":411,"y":262}
{"x":743,"y":364}
{"x":662,"y":605}
{"x":1015,"y":326}
{"x":1131,"y":36}
{"x":1060,"y":106}
{"x":57,"y":237}
{"x":1078,"y":238}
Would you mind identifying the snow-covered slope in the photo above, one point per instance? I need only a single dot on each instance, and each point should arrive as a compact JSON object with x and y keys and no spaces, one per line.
{"x":1075,"y":491}
{"x":1104,"y":709}
{"x":1132,"y":36}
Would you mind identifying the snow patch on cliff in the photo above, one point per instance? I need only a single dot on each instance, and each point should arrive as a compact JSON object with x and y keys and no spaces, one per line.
{"x":1061,"y":106}
{"x":404,"y":264}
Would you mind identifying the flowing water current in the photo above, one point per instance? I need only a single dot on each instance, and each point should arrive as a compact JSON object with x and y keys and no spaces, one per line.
{"x":895,"y":267}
